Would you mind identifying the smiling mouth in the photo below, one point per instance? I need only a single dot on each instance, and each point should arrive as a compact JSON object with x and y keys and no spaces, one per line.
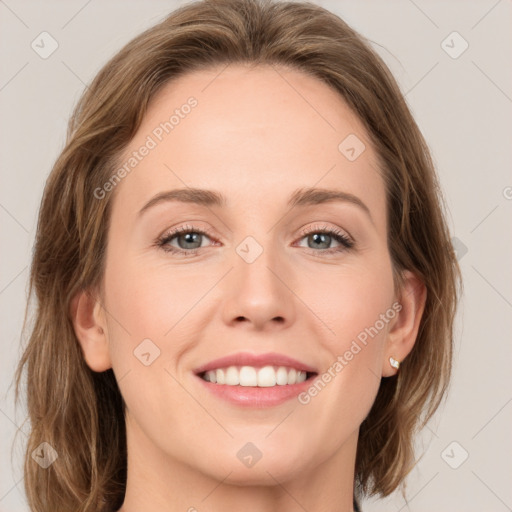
{"x":251,"y":376}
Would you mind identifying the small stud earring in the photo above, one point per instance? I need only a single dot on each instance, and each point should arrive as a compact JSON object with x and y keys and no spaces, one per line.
{"x":394,"y":363}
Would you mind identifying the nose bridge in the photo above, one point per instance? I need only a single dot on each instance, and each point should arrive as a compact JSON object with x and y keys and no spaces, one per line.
{"x":255,"y":262}
{"x":258,"y":292}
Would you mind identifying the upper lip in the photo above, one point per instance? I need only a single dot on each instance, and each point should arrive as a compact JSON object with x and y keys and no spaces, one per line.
{"x":257,"y":360}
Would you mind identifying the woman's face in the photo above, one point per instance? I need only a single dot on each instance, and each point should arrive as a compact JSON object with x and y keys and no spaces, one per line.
{"x":281,"y":272}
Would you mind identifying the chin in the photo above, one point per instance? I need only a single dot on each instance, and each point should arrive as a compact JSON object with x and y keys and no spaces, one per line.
{"x":271,"y":463}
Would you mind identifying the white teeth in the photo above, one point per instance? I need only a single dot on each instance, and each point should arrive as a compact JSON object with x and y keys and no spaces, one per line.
{"x":232,"y":376}
{"x":282,"y":376}
{"x":221,"y":377}
{"x":210,"y":376}
{"x":248,"y":376}
{"x":265,"y":377}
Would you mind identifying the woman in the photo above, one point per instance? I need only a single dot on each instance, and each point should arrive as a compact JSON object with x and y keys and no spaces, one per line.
{"x":245,"y":284}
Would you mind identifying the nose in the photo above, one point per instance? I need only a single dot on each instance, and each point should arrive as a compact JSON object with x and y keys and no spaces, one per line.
{"x":259,"y":294}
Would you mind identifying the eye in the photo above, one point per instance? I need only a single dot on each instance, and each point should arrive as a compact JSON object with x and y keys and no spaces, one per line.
{"x":187,"y":238}
{"x":321,"y":238}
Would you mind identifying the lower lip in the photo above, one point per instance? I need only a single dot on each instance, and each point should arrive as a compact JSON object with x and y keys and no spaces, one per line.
{"x":256,"y":397}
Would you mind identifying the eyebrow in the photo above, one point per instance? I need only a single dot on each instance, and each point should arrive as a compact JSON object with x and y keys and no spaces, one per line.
{"x":211,"y":198}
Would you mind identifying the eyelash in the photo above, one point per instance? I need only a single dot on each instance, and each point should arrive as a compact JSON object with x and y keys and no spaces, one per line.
{"x":345,"y":242}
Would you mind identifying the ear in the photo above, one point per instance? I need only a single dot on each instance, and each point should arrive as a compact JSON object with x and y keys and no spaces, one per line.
{"x":90,"y":327}
{"x":404,"y":330}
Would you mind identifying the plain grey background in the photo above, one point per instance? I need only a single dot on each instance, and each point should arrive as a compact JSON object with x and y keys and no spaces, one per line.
{"x":462,"y":100}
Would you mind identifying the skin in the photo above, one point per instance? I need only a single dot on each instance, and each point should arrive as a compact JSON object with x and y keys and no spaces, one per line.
{"x":256,"y":135}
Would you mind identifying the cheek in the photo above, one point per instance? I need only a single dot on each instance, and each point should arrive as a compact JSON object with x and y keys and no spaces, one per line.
{"x":352,"y":299}
{"x":158,"y":302}
{"x":144,"y":304}
{"x":149,"y":300}
{"x":357,"y":305}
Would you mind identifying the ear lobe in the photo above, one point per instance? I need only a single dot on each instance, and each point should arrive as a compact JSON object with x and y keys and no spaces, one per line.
{"x":402,"y":335}
{"x":90,"y":328}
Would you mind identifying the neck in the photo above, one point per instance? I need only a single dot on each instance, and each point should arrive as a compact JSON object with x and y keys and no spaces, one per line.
{"x":161,"y":483}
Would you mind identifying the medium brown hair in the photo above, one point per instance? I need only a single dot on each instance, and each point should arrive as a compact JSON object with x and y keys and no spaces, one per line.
{"x":80,"y":412}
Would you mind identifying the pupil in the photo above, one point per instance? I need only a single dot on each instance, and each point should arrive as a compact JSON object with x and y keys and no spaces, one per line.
{"x":317,"y":237}
{"x":189,"y":238}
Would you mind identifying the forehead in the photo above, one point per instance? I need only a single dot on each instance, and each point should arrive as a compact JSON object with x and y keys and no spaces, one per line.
{"x":254,"y":133}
